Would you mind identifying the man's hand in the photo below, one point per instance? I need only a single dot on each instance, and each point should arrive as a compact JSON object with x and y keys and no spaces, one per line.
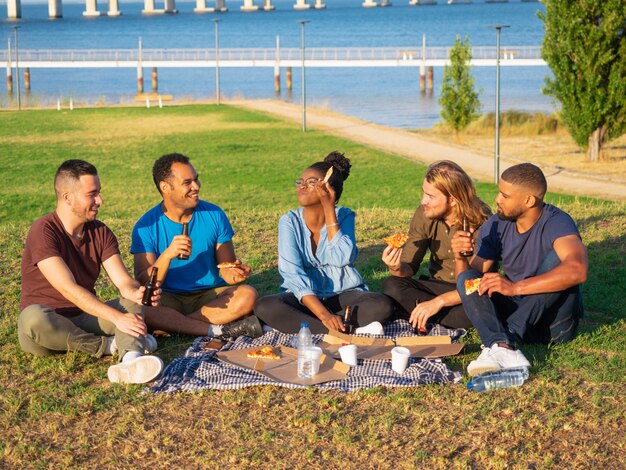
{"x":462,"y":242}
{"x":156,"y":295}
{"x":332,"y":322}
{"x":131,"y":323}
{"x":493,"y":282}
{"x":423,"y":311}
{"x":237,"y":274}
{"x":181,"y":245}
{"x":391,"y":257}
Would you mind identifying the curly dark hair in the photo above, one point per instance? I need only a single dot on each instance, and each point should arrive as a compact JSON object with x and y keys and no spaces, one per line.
{"x":341,"y":170}
{"x":162,"y":169}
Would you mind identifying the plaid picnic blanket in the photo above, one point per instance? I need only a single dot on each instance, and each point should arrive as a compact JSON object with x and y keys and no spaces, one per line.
{"x":200,"y":369}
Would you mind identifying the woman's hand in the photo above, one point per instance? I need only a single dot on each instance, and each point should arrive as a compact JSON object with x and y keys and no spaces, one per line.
{"x":332,"y":322}
{"x":327,"y":195}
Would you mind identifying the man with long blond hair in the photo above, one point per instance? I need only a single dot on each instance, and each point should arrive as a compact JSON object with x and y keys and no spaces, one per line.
{"x":449,"y":196}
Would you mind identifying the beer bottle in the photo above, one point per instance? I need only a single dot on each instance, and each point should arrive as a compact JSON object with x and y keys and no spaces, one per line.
{"x":347,"y":321}
{"x":150,"y":288}
{"x":466,"y":254}
{"x":185,"y":232}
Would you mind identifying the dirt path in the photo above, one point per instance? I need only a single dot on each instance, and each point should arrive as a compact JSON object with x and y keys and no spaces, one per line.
{"x":400,"y":142}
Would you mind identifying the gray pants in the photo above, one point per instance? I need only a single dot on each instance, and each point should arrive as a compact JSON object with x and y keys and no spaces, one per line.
{"x":43,"y":332}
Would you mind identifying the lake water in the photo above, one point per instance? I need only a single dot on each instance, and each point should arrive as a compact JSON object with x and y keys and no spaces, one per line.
{"x":388,"y":96}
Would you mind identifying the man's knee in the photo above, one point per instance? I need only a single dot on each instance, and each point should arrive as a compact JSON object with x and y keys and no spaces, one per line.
{"x":245,"y":297}
{"x":383,"y":305}
{"x":393,"y":286}
{"x":34,"y":322}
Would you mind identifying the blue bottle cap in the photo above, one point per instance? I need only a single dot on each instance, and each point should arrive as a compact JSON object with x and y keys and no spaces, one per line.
{"x":304,"y":325}
{"x":470,"y":385}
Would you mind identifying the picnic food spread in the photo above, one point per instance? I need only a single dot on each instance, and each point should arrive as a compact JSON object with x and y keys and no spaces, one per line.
{"x":265,"y":352}
{"x":397,"y":241}
{"x":471,"y":285}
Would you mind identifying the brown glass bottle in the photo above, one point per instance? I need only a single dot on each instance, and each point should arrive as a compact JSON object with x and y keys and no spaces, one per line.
{"x":185,"y":232}
{"x":348,"y":326}
{"x":466,"y":254}
{"x":150,"y":288}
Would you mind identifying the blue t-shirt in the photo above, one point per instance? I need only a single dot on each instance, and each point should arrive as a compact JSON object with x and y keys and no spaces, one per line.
{"x":522,"y":253}
{"x":330,"y":270}
{"x":208,"y":227}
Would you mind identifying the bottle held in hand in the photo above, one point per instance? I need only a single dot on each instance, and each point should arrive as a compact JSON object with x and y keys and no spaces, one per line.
{"x":185,"y":232}
{"x":348,"y":326}
{"x":466,"y":254}
{"x":150,"y":288}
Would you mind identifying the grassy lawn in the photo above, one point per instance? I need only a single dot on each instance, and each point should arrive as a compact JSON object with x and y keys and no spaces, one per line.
{"x":62,"y":412}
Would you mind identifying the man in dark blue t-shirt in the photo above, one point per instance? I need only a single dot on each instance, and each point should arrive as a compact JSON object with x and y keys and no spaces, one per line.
{"x":544,"y":261}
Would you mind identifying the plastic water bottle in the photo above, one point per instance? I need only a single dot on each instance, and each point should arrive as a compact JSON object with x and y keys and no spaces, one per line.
{"x":499,"y":379}
{"x":304,"y":358}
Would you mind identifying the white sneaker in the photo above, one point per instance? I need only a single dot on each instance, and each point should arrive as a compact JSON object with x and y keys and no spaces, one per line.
{"x":485,"y":362}
{"x":509,"y":358}
{"x":150,"y":344}
{"x":136,"y":371}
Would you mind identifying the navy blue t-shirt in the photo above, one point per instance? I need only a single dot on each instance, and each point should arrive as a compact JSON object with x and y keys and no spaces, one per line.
{"x":522,"y":253}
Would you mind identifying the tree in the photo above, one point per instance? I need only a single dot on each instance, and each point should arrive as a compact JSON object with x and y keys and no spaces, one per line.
{"x":585,"y":47}
{"x":459,"y":99}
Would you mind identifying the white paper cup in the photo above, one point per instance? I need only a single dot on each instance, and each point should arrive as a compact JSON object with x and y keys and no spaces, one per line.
{"x":400,"y":359}
{"x":315,"y":354}
{"x":348,"y":354}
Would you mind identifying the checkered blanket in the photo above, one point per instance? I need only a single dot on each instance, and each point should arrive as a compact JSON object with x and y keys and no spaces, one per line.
{"x":199,"y":369}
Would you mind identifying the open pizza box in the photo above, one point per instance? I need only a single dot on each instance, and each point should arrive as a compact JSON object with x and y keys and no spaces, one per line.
{"x":380,"y":348}
{"x":285,"y":369}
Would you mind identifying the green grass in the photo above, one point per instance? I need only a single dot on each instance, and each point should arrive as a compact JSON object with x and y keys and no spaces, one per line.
{"x":62,"y":412}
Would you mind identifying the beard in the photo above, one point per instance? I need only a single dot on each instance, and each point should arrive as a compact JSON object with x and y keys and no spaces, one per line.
{"x":512,"y":217}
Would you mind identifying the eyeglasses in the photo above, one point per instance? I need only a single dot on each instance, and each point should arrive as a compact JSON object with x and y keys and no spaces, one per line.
{"x":309,"y":182}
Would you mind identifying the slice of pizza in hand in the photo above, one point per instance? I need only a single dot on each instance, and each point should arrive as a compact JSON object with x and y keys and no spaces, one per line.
{"x":229,"y":264}
{"x":397,"y":241}
{"x":472,"y":285}
{"x":265,"y":352}
{"x":328,"y":173}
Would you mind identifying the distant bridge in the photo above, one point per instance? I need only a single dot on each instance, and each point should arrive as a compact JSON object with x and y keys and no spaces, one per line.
{"x":269,"y":57}
{"x":55,"y":7}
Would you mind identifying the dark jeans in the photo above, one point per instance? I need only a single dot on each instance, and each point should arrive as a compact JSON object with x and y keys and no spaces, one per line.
{"x":285,"y":313}
{"x":406,"y":291}
{"x":537,"y":318}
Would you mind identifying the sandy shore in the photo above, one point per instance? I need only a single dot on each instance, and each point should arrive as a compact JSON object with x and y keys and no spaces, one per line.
{"x":426,"y":150}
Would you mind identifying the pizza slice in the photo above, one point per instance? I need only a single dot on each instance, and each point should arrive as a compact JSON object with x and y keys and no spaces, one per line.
{"x":229,"y":264}
{"x":397,"y":241}
{"x":265,"y":352}
{"x":471,"y":285}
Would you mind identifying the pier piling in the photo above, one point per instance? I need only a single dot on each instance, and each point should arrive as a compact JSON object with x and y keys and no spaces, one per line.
{"x":9,"y":70}
{"x":288,"y":78}
{"x":431,"y":80}
{"x":27,"y":79}
{"x":155,"y":80}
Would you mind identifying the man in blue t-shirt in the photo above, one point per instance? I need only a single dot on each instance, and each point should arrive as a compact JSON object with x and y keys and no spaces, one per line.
{"x":544,"y":261}
{"x":201,"y":295}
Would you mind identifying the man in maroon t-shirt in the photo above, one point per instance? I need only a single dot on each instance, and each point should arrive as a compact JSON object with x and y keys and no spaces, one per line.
{"x":60,"y":266}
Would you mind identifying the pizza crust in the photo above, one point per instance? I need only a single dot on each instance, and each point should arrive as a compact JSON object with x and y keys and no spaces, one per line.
{"x":265,"y":352}
{"x":229,"y":264}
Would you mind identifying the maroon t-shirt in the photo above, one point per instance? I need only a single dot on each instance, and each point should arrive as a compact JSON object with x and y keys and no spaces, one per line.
{"x":47,"y":238}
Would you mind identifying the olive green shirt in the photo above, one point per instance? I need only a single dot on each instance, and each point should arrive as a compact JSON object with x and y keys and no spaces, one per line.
{"x":434,"y":235}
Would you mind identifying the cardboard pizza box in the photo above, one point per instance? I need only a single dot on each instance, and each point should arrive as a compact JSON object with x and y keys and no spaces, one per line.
{"x":380,"y":348}
{"x":285,"y":369}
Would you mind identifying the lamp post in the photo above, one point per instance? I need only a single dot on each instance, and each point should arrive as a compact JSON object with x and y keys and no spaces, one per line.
{"x":496,"y":168}
{"x":217,"y":61}
{"x":302,"y":23}
{"x":17,"y":68}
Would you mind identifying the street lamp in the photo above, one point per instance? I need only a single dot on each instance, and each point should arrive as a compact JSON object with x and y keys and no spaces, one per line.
{"x":217,"y":61}
{"x":17,"y":68}
{"x":302,"y":23}
{"x":496,"y":169}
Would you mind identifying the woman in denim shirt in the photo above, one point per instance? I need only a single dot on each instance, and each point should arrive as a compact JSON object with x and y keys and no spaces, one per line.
{"x":316,"y":252}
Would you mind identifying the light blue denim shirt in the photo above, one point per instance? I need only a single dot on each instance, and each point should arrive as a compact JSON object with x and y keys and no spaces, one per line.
{"x":327,"y":272}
